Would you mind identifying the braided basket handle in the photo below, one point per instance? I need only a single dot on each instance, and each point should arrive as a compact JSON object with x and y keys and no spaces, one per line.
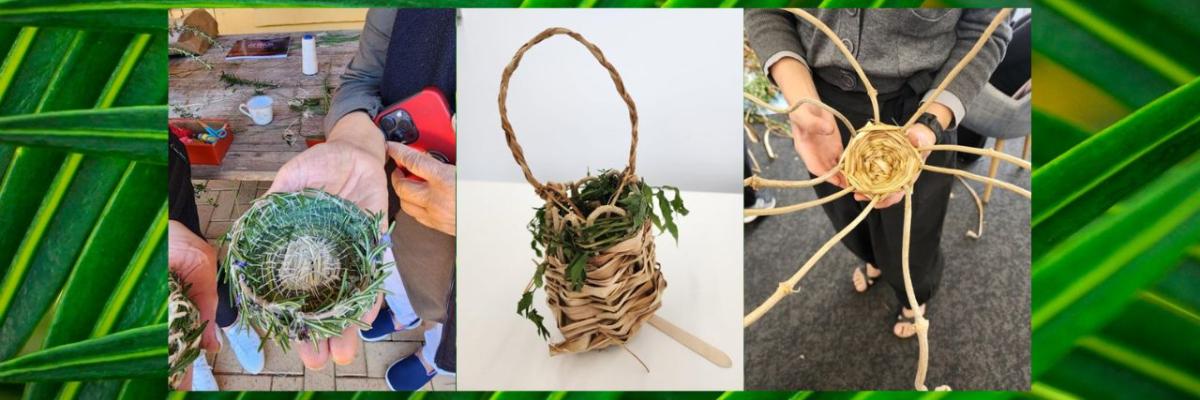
{"x":517,"y":152}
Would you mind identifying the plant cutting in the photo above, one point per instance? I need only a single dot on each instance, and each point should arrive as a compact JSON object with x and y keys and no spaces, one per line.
{"x":185,"y":328}
{"x":595,"y":238}
{"x":305,"y":265}
{"x":877,"y":162}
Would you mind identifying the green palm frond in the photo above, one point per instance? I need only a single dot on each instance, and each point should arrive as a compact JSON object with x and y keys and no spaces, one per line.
{"x":82,"y":167}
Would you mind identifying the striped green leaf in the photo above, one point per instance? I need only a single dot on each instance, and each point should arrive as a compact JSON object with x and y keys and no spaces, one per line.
{"x":134,"y":132}
{"x":137,"y":352}
{"x":1090,"y":178}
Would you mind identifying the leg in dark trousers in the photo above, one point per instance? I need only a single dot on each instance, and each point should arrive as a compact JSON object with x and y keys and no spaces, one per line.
{"x":878,"y":239}
{"x":748,"y":194}
{"x":182,"y":197}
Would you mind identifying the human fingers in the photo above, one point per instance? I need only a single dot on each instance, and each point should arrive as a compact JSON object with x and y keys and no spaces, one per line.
{"x":890,"y":200}
{"x":410,"y":191}
{"x":921,"y":136}
{"x":343,"y":348}
{"x":418,"y":163}
{"x":313,"y":355}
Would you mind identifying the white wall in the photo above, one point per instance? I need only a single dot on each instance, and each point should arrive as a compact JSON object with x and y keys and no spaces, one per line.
{"x":682,"y":68}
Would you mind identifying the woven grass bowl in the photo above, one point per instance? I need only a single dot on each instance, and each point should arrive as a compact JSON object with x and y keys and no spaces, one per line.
{"x":305,"y":265}
{"x":185,"y":329}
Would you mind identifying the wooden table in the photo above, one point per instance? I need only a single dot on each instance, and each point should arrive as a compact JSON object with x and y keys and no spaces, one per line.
{"x":257,"y":151}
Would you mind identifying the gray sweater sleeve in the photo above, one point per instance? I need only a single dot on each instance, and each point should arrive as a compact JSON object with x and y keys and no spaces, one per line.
{"x":359,"y":89}
{"x":975,"y":75}
{"x":772,"y":33}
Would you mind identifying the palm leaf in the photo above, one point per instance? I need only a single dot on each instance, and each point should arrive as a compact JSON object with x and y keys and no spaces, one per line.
{"x":81,"y":147}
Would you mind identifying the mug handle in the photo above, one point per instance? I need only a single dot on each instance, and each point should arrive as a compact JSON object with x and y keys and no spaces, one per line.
{"x":242,"y":108}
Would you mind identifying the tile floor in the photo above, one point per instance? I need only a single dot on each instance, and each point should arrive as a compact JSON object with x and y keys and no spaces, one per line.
{"x":221,"y":202}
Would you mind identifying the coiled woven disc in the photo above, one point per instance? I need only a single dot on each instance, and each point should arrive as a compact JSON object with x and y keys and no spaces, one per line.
{"x":185,"y":329}
{"x":623,"y":288}
{"x":879,"y":160}
{"x":306,"y":264}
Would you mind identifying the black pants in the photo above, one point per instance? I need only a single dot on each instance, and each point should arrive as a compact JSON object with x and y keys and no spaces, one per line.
{"x":749,"y":195}
{"x":182,"y":198}
{"x":878,"y":239}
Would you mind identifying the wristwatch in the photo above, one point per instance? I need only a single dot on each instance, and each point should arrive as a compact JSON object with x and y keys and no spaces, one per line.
{"x":934,"y":125}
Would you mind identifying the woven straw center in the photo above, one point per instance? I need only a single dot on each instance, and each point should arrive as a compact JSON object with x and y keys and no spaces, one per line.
{"x":880,"y":160}
{"x":308,"y":263}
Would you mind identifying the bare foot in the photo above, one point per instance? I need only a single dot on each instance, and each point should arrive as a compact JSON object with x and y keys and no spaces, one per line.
{"x":862,"y":281}
{"x":905,"y":326}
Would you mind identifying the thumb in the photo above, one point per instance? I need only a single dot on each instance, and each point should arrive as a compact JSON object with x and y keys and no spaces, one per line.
{"x":420,"y":164}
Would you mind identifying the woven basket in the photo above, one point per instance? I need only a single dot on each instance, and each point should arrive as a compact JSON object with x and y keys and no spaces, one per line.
{"x":624,"y":285}
{"x":305,"y":265}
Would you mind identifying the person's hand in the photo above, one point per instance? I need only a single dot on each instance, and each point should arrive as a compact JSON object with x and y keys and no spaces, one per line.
{"x":432,"y":202}
{"x":817,"y":140}
{"x":195,"y":262}
{"x":350,"y":165}
{"x":919,"y":136}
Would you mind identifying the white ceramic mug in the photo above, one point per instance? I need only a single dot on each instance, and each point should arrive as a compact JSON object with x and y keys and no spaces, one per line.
{"x":258,"y":108}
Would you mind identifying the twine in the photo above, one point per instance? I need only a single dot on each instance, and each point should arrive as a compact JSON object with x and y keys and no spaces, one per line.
{"x":879,"y":160}
{"x":510,"y":137}
{"x":624,"y":285}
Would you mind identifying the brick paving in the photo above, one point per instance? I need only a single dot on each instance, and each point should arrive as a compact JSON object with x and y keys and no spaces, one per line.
{"x":221,"y":202}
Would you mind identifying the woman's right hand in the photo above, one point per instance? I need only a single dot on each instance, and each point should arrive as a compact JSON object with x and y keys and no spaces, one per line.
{"x":814,"y":131}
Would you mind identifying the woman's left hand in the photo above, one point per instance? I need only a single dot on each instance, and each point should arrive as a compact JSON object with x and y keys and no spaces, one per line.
{"x":432,"y":202}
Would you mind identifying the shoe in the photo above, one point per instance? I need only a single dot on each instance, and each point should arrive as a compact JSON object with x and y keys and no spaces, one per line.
{"x":408,"y":374}
{"x":202,"y":375}
{"x":762,"y":201}
{"x":247,"y":346}
{"x":383,"y":326}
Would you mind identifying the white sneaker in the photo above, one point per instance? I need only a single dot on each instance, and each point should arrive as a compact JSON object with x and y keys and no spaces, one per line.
{"x":246,"y":346}
{"x":202,"y":375}
{"x":764,"y":201}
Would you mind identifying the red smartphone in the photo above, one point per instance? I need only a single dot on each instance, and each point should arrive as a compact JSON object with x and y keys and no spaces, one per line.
{"x":422,"y":122}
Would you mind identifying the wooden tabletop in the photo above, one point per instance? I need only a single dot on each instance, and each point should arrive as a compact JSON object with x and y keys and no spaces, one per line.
{"x":257,"y":151}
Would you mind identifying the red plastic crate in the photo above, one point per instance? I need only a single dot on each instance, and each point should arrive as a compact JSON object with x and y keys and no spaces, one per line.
{"x":200,"y":153}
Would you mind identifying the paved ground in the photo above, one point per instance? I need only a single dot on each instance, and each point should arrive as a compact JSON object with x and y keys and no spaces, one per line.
{"x":827,"y":337}
{"x":221,"y":202}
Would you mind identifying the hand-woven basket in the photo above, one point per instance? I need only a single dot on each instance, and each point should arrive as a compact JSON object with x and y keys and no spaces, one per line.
{"x":624,"y":285}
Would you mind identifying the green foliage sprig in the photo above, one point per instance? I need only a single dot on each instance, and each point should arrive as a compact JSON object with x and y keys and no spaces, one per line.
{"x":580,"y":243}
{"x":232,"y":80}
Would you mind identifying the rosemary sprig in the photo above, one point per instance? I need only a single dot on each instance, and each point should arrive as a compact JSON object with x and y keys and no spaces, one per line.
{"x":578,"y":244}
{"x":232,"y":80}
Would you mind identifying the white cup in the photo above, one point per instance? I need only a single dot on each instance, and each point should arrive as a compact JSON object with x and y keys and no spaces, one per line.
{"x":258,"y":108}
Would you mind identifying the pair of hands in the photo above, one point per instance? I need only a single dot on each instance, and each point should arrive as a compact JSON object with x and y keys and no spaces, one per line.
{"x":350,"y":164}
{"x":817,"y":140}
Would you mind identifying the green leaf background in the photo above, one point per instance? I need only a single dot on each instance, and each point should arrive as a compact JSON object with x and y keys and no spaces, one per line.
{"x":1116,"y":217}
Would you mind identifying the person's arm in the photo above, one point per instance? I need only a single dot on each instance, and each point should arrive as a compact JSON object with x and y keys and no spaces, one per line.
{"x":359,"y":89}
{"x":773,"y":37}
{"x":950,"y":105}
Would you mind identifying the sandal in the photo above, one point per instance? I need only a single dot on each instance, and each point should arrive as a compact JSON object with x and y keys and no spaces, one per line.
{"x":862,"y":278}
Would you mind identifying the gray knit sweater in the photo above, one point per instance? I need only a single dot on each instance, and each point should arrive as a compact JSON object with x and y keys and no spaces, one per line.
{"x":892,"y":45}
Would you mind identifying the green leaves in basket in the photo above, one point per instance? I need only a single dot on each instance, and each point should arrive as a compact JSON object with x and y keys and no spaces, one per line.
{"x":137,"y":352}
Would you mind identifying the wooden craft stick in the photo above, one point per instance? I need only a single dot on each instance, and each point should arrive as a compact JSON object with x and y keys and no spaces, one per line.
{"x":708,"y":351}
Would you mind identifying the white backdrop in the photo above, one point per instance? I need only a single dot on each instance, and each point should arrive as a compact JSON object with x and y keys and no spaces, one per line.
{"x":682,"y":68}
